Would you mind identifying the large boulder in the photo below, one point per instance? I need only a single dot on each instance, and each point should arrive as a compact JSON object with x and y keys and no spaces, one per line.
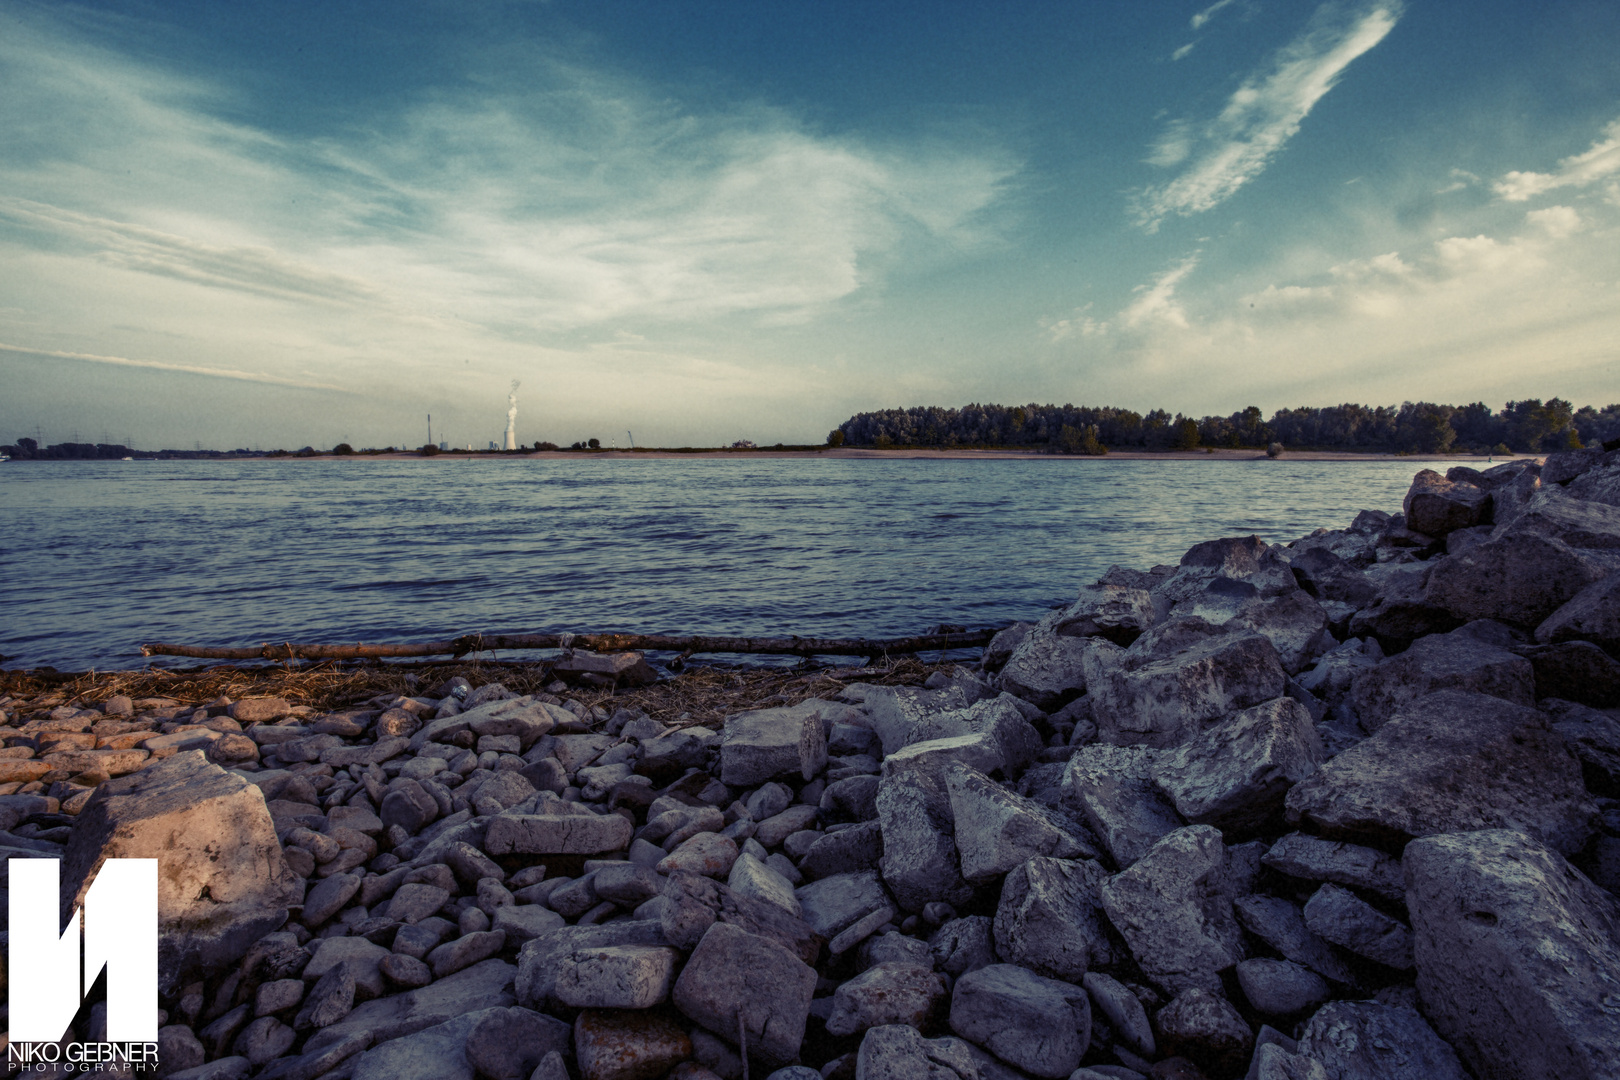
{"x":996,"y":830}
{"x":1454,"y":661}
{"x":1047,"y":668}
{"x":1174,"y":909}
{"x":1246,"y":559}
{"x":1449,"y":762}
{"x":766,"y":743}
{"x":1517,"y":955}
{"x":1048,"y":917}
{"x":1036,"y":1024}
{"x":920,"y":863}
{"x":1593,"y":614}
{"x":1519,"y":578}
{"x":222,"y":881}
{"x":897,"y":712}
{"x":737,"y":980}
{"x":1369,"y":1040}
{"x":997,"y":719}
{"x":1437,"y":506}
{"x":898,"y":1052}
{"x":1116,"y":612}
{"x":1600,"y":484}
{"x":1234,"y":776}
{"x":1166,"y":702}
{"x":1315,"y":859}
{"x":1111,"y":787}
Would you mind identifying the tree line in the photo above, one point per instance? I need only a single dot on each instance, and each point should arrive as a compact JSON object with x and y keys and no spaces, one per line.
{"x":1521,"y":427}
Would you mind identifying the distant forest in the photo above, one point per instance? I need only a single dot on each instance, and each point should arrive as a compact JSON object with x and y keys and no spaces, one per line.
{"x":1520,"y":427}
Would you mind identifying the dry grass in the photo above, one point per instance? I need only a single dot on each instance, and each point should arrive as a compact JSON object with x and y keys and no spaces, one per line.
{"x":699,"y":695}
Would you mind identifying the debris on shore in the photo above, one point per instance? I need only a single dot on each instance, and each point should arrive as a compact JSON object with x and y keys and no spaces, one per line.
{"x":1343,"y":808}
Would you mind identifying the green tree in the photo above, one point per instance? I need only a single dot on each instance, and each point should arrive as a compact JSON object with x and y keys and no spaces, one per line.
{"x":835,"y":437}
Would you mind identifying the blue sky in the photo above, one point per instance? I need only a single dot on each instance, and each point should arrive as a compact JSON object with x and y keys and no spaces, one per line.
{"x":299,"y":223}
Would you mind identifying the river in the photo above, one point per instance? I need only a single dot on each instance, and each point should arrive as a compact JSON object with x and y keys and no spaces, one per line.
{"x":102,"y":556}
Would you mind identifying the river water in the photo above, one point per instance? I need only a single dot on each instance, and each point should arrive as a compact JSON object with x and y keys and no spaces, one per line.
{"x":99,"y":557}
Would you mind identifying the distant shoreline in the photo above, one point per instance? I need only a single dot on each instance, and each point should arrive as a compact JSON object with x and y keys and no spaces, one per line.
{"x":860,"y":453}
{"x":849,"y":453}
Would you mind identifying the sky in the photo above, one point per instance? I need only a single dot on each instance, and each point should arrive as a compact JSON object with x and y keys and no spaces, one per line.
{"x":685,"y":223}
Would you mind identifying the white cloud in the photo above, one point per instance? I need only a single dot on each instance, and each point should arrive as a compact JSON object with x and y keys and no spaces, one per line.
{"x":565,"y":200}
{"x":1558,"y":222}
{"x":1599,"y":162}
{"x":1266,"y":111}
{"x":1156,"y":303}
{"x":187,"y":369}
{"x":1183,"y":51}
{"x":1197,"y":21}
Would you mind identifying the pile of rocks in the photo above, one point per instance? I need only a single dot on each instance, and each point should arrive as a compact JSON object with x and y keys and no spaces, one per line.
{"x":1342,"y":809}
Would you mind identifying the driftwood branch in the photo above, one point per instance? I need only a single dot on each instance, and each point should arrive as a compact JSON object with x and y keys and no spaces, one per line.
{"x":471,"y":643}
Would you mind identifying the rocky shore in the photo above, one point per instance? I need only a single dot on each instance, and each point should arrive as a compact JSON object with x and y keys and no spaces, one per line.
{"x":1341,"y":809}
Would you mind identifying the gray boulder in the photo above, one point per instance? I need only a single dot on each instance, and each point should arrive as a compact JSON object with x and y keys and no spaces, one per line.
{"x":1338,"y":915}
{"x":898,"y":1052}
{"x":692,"y":903}
{"x":435,"y":1053}
{"x":1576,"y":671}
{"x":1048,"y":917}
{"x":557,"y":834}
{"x":484,"y":985}
{"x":1039,"y":1025}
{"x":735,"y":979}
{"x":542,"y":960}
{"x":1281,"y":987}
{"x":1366,"y":1040}
{"x":1174,"y":910}
{"x":1451,"y":761}
{"x":1454,"y":661}
{"x":833,"y":903}
{"x":1519,"y":578}
{"x":1517,"y":955}
{"x":1205,"y":1028}
{"x":510,"y":1044}
{"x":1437,"y":506}
{"x":1111,"y":788}
{"x":897,"y":712}
{"x":1235,"y":775}
{"x":1166,"y":702}
{"x":767,"y":743}
{"x":1047,"y":668}
{"x":1315,"y":859}
{"x":616,"y":977}
{"x":223,"y":882}
{"x":1123,"y":1011}
{"x":1116,"y":612}
{"x":963,"y":945}
{"x":1593,"y":614}
{"x":1281,"y":925}
{"x":891,"y":993}
{"x":996,"y":830}
{"x":920,"y":863}
{"x":1595,"y":738}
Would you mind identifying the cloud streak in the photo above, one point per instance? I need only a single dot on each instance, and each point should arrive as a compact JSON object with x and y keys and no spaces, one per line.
{"x":1600,"y":162}
{"x":184,"y":369}
{"x":1262,"y":114}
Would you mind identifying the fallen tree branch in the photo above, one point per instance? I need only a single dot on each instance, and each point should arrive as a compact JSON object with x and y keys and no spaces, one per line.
{"x":468,"y":643}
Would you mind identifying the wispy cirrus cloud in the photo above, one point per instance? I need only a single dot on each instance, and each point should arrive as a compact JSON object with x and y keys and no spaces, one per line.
{"x":552,"y":203}
{"x":184,"y":369}
{"x":1197,"y":21}
{"x":1262,"y":114}
{"x":1600,"y":162}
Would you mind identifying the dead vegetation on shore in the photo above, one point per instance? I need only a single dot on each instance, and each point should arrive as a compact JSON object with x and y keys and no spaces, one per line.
{"x":699,"y":695}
